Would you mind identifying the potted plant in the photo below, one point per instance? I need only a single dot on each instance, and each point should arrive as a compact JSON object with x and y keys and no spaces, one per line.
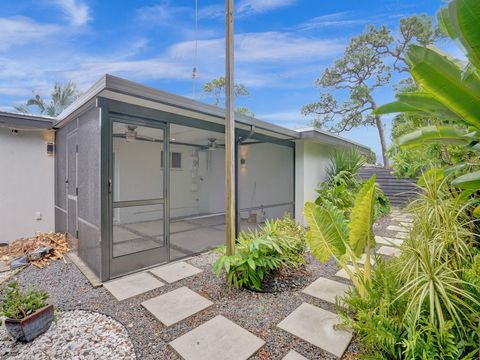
{"x":28,"y":314}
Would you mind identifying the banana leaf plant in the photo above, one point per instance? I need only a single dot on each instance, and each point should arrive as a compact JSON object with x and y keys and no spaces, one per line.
{"x":332,"y":236}
{"x":450,"y":88}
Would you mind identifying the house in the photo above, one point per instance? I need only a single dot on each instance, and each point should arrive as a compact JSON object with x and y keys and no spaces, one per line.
{"x":138,"y":176}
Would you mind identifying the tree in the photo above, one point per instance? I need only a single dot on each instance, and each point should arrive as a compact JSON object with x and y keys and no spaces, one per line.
{"x":216,"y":88}
{"x":363,"y":69}
{"x":449,"y":90}
{"x":60,"y":98}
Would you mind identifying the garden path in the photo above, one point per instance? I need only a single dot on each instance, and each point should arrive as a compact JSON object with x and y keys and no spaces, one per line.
{"x":319,"y":326}
{"x":222,"y":339}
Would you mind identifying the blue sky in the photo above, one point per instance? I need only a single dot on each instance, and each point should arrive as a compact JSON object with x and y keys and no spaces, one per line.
{"x":282,"y":46}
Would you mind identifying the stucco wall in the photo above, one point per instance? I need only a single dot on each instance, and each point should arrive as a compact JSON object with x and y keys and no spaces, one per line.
{"x":312,"y":159}
{"x":26,"y":184}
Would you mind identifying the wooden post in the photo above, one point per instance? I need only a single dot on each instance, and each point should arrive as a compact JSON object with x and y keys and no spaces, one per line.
{"x":229,"y":130}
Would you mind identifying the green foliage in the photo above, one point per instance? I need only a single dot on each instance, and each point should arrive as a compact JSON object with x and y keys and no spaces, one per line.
{"x":18,"y":304}
{"x":342,"y":184}
{"x":425,"y":304}
{"x":449,"y":88}
{"x":216,"y":88}
{"x":365,"y":67}
{"x":377,"y":318}
{"x":280,"y":243}
{"x":331,"y":236}
{"x":382,"y":204}
{"x":60,"y":98}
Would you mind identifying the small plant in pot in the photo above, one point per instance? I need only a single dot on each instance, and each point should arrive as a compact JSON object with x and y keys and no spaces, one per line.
{"x":28,"y":313}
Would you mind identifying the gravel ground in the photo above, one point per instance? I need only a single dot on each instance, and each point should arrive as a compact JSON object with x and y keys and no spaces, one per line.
{"x":257,"y":312}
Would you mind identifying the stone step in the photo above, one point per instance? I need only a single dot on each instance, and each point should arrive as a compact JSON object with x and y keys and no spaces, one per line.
{"x":388,"y":241}
{"x":397,"y":228}
{"x":389,"y":251}
{"x":217,"y":339}
{"x":318,"y":327}
{"x":343,"y":274}
{"x":293,"y":355}
{"x":363,"y":259}
{"x":132,"y":285}
{"x":176,"y":305}
{"x":326,"y":289}
{"x":175,"y":271}
{"x":402,"y":235}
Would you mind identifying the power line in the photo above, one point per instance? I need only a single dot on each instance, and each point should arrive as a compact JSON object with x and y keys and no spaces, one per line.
{"x":194,"y":70}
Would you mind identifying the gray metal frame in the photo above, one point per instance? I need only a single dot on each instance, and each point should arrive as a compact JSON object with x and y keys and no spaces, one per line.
{"x":112,"y":110}
{"x":120,"y":265}
{"x":70,"y":198}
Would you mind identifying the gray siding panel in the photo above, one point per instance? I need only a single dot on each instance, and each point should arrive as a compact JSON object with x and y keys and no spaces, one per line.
{"x":60,"y":168}
{"x":88,"y":136}
{"x":60,"y":221}
{"x":89,"y":167}
{"x":89,"y":246}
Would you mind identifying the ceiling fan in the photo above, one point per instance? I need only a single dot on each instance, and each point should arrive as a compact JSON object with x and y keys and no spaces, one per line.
{"x":212,"y":145}
{"x":131,"y":135}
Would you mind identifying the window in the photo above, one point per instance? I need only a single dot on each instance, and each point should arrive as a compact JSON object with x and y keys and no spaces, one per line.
{"x":175,"y":160}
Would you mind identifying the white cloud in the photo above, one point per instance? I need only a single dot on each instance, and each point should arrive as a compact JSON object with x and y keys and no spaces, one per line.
{"x":243,"y":8}
{"x":21,"y":30}
{"x":162,"y":14}
{"x":76,"y":11}
{"x":339,"y":19}
{"x":292,"y":119}
{"x":211,"y":11}
{"x":260,"y":6}
{"x":281,"y":47}
{"x":274,"y":47}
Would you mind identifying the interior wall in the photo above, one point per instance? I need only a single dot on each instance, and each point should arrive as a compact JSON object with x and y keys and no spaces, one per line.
{"x":26,"y":183}
{"x":139,"y":175}
{"x":212,"y":185}
{"x":265,"y":178}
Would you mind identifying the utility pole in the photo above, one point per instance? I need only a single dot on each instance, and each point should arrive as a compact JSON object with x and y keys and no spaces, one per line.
{"x":229,"y":130}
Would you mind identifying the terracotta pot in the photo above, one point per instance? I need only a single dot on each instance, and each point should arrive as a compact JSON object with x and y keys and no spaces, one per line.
{"x":30,"y":327}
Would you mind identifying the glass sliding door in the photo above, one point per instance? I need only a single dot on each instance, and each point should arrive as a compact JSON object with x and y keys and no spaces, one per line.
{"x":139,"y":193}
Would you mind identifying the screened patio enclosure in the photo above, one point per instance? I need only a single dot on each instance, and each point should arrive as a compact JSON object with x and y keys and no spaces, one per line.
{"x":139,"y":186}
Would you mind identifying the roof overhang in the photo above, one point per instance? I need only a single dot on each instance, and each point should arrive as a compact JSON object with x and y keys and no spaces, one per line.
{"x":325,"y":137}
{"x":25,"y":121}
{"x":115,"y":88}
{"x":118,"y":89}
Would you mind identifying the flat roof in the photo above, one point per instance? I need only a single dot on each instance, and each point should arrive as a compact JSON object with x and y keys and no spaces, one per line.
{"x":116,"y":88}
{"x":25,"y":121}
{"x":319,"y":135}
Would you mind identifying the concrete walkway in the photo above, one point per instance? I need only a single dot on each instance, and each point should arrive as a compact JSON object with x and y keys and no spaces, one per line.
{"x":318,"y":326}
{"x":222,"y":339}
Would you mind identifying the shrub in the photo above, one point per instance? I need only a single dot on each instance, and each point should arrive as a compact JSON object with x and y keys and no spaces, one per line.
{"x":331,"y":236}
{"x":342,"y":184}
{"x":18,"y":304}
{"x":280,"y":243}
{"x":377,"y":317}
{"x":425,"y":304}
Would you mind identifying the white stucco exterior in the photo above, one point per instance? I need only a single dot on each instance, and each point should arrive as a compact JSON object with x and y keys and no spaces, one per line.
{"x":26,"y":183}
